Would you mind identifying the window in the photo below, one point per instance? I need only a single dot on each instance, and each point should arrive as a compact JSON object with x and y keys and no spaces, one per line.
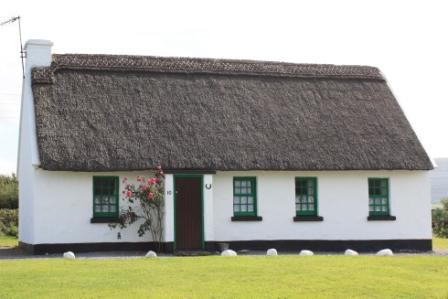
{"x":244,"y":196}
{"x":105,"y":197}
{"x":378,"y":197}
{"x":306,"y":196}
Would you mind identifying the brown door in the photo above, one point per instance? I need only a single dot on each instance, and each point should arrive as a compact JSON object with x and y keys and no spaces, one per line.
{"x":188,"y":213}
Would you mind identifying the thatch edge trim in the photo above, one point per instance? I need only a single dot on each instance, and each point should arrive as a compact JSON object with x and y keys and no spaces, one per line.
{"x":129,"y":63}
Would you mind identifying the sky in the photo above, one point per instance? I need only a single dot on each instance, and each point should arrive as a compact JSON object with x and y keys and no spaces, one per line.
{"x":407,"y":40}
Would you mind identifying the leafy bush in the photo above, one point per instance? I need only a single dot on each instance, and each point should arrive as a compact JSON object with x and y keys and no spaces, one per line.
{"x":440,"y":220}
{"x":9,"y":221}
{"x":9,"y":192}
{"x":148,"y":196}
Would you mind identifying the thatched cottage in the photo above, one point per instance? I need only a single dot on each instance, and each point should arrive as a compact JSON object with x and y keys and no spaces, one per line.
{"x":257,"y":154}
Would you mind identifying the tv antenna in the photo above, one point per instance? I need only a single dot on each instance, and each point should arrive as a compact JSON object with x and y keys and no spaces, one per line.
{"x":22,"y":53}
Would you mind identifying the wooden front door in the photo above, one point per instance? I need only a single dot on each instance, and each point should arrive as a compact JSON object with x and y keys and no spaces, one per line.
{"x":188,"y":212}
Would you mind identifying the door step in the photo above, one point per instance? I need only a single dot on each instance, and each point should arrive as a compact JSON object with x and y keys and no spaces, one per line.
{"x":193,"y":253}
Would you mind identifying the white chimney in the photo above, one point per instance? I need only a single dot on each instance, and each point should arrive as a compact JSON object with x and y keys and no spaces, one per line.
{"x":38,"y":53}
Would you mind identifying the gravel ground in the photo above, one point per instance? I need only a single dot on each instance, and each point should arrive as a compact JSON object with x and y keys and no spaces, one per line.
{"x":16,"y":253}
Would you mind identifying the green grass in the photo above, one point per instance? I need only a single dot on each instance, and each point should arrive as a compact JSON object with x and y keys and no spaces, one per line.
{"x":8,"y":241}
{"x":439,"y":243}
{"x":228,"y":277}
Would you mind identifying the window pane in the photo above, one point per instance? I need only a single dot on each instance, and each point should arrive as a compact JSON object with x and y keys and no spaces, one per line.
{"x":378,"y":196}
{"x":105,"y":195}
{"x":244,"y":199}
{"x":306,"y":199}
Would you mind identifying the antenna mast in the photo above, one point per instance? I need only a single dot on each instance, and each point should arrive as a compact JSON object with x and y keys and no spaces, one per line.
{"x":22,"y":53}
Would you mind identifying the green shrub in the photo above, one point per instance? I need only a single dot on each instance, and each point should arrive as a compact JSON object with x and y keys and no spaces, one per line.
{"x":9,"y":222}
{"x":440,"y":220}
{"x":9,"y":192}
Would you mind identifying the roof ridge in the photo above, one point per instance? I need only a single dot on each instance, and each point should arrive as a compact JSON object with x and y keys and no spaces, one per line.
{"x":201,"y":66}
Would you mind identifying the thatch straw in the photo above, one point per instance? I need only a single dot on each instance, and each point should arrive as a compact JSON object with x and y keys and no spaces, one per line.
{"x":102,"y":113}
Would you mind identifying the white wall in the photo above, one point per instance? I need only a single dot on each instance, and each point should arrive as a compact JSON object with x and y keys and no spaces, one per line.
{"x":168,"y":229}
{"x":64,"y":206}
{"x":342,"y":201}
{"x":209,"y":230}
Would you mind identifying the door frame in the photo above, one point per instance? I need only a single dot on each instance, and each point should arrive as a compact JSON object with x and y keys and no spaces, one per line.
{"x":185,"y":175}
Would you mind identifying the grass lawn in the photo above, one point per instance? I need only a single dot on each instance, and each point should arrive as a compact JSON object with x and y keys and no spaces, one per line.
{"x":439,"y":243}
{"x":228,"y":277}
{"x":8,"y":241}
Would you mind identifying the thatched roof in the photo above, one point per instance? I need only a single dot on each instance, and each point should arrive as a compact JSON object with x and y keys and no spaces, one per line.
{"x":103,"y":113}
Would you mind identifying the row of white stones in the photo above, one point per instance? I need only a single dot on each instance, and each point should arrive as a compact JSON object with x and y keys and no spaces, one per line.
{"x":69,"y":255}
{"x":273,"y":252}
{"x":270,"y":252}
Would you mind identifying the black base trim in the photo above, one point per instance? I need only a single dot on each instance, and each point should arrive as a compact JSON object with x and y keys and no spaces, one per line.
{"x":413,"y":245}
{"x":381,"y":218}
{"x":104,"y":220}
{"x":308,"y":218}
{"x":167,"y":247}
{"x":247,"y":218}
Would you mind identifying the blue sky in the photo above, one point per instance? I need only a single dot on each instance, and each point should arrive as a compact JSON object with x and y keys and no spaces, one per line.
{"x":405,"y":39}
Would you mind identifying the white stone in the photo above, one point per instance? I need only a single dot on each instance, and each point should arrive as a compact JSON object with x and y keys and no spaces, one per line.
{"x":272,"y":252}
{"x":351,"y":252}
{"x":228,"y":252}
{"x":151,"y":254}
{"x":306,"y":253}
{"x":69,"y":255}
{"x":385,"y":252}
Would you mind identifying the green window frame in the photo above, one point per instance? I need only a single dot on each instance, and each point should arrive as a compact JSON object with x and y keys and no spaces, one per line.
{"x":244,"y":196}
{"x":306,"y":196}
{"x":105,"y":196}
{"x":379,"y":197}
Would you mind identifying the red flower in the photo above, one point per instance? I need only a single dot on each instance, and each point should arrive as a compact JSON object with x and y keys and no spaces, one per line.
{"x":129,"y":194}
{"x":152,"y":181}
